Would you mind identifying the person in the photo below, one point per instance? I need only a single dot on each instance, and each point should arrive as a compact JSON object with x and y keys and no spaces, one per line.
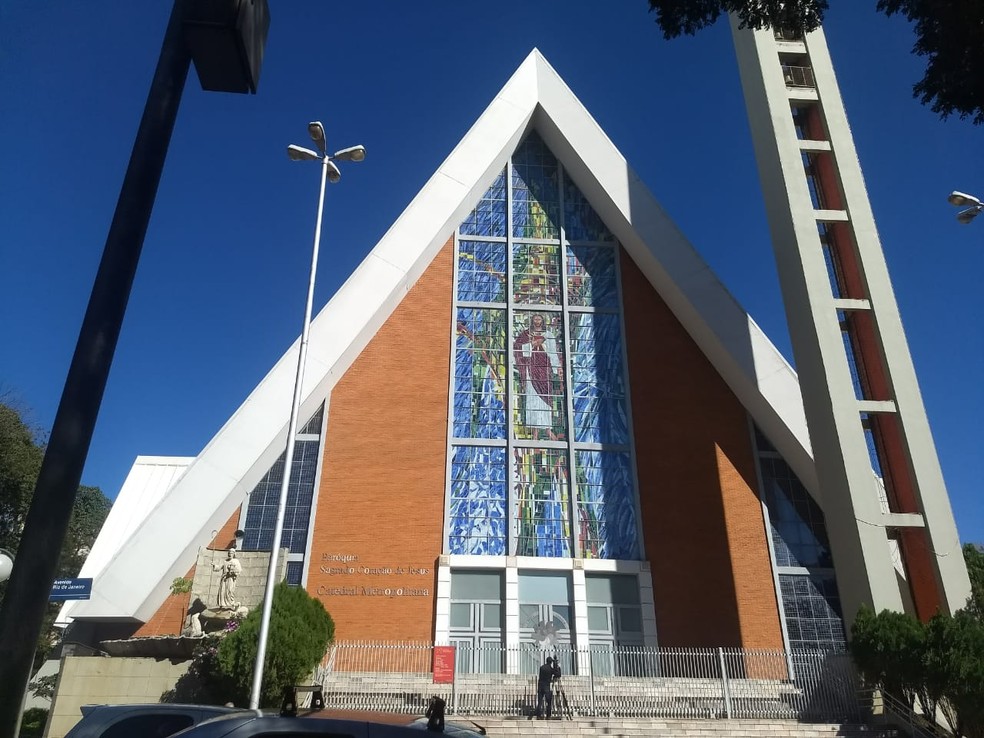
{"x":535,"y":352}
{"x":435,"y":714}
{"x":549,"y":673}
{"x":231,"y":569}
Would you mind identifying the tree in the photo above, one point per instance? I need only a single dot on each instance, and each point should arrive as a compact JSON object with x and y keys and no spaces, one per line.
{"x":889,"y":651}
{"x":949,"y":33}
{"x":974,"y":557}
{"x":222,"y":668}
{"x":21,"y":452}
{"x":300,"y":631}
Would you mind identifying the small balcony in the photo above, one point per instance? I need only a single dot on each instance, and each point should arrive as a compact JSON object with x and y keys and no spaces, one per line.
{"x":798,"y":76}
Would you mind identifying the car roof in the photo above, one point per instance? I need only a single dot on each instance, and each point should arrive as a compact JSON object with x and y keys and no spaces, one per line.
{"x":156,"y":706}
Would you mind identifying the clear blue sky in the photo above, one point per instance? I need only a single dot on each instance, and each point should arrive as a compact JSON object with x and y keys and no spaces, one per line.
{"x":220,"y":291}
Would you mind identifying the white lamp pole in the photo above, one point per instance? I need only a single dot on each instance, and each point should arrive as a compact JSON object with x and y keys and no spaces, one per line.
{"x":329,"y":172}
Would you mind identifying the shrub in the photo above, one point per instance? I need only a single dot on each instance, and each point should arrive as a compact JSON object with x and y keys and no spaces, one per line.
{"x":300,"y":631}
{"x":33,"y":722}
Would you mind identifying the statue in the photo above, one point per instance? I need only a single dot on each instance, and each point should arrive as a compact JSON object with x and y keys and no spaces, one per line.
{"x":231,"y":569}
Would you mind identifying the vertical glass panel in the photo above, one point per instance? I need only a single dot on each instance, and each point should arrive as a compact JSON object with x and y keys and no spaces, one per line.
{"x":489,"y":216}
{"x":538,"y":377}
{"x":535,"y":191}
{"x":261,"y":513}
{"x":799,"y":534}
{"x":480,"y":374}
{"x":481,"y":271}
{"x":606,"y":526}
{"x":599,"y":386}
{"x":591,"y":277}
{"x":812,"y":609}
{"x":598,"y":619}
{"x":543,"y":501}
{"x":478,"y":501}
{"x":553,"y":589}
{"x":536,"y":274}
{"x":295,"y":572}
{"x":581,"y":222}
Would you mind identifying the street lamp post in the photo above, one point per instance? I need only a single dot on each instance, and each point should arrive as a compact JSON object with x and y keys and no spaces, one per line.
{"x":960,"y":199}
{"x":329,"y":173}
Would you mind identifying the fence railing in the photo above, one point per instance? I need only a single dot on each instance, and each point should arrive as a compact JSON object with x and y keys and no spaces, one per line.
{"x":596,"y":681}
{"x":798,"y":76}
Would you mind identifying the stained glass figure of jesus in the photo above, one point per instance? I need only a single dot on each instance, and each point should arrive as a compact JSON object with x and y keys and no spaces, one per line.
{"x":538,"y":365}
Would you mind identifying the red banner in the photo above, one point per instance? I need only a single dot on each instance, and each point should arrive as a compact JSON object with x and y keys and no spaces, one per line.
{"x":443,"y":664}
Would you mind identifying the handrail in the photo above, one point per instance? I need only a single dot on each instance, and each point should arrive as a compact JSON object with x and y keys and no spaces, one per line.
{"x":904,"y":717}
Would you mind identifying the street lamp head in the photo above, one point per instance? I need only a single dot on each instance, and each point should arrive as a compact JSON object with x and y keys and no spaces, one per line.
{"x":962,"y":198}
{"x":333,"y":174}
{"x":299,"y":153}
{"x":965,"y":216}
{"x":317,"y":132}
{"x":352,"y":153}
{"x":6,"y":565}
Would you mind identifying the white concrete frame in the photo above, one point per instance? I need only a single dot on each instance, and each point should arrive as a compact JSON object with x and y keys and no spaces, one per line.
{"x":512,"y":566}
{"x":136,"y":582}
{"x":856,"y":524}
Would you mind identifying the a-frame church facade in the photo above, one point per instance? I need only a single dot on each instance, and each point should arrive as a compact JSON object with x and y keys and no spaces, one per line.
{"x":533,"y":411}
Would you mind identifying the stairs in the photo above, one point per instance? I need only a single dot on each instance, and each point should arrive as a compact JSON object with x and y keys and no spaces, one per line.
{"x":657,"y":728}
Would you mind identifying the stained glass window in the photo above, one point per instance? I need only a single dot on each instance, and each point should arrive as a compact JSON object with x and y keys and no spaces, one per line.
{"x":591,"y":277}
{"x":480,"y":374}
{"x":536,"y":274}
{"x":538,"y":376}
{"x":581,"y":222}
{"x":544,"y":312}
{"x":481,"y":272}
{"x":535,"y":191}
{"x":606,"y":525}
{"x":489,"y":216}
{"x":543,"y":501}
{"x":598,"y":379}
{"x":478,"y":500}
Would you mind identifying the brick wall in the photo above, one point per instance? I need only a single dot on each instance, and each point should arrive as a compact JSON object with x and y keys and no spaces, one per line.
{"x":702,"y":520}
{"x":381,"y":496}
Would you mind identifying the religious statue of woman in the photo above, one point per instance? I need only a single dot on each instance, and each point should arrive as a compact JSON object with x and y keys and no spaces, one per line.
{"x":535,"y":354}
{"x":231,"y":569}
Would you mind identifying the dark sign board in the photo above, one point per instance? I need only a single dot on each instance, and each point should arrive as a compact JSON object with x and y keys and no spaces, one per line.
{"x":71,"y":589}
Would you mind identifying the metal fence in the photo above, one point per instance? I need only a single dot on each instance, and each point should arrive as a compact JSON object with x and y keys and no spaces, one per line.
{"x":597,"y":681}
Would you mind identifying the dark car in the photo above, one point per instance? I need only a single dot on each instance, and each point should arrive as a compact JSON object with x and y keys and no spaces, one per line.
{"x":151,"y":720}
{"x":323,"y":724}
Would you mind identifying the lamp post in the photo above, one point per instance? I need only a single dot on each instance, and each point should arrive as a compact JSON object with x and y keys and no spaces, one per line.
{"x":960,"y":199}
{"x":329,"y":173}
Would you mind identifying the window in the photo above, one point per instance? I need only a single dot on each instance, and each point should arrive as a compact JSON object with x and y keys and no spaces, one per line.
{"x":541,"y":459}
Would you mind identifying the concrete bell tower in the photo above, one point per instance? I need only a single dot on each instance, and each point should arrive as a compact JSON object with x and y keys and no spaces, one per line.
{"x":891,"y":528}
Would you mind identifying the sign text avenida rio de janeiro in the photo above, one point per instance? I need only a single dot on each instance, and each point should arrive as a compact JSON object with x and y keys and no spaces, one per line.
{"x":347,"y":565}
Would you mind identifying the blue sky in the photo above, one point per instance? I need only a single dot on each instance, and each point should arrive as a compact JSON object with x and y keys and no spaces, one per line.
{"x":220,"y":291}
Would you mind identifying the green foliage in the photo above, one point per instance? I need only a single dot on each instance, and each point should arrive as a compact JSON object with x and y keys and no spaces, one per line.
{"x":222,"y":668}
{"x":20,"y":462}
{"x":974,"y":557}
{"x":33,"y":722}
{"x":180,"y":585}
{"x":204,"y":683}
{"x":45,"y":686}
{"x":300,"y":631}
{"x":949,"y":33}
{"x":889,"y":649}
{"x":941,"y":663}
{"x":21,"y":453}
{"x":676,"y":18}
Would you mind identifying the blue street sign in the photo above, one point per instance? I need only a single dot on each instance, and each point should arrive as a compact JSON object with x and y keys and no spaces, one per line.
{"x":71,"y":589}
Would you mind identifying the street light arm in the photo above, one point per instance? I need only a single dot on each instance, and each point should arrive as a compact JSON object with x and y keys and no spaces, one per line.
{"x":962,"y":198}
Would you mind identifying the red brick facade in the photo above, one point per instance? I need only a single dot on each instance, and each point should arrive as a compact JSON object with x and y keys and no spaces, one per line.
{"x":378,"y":522}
